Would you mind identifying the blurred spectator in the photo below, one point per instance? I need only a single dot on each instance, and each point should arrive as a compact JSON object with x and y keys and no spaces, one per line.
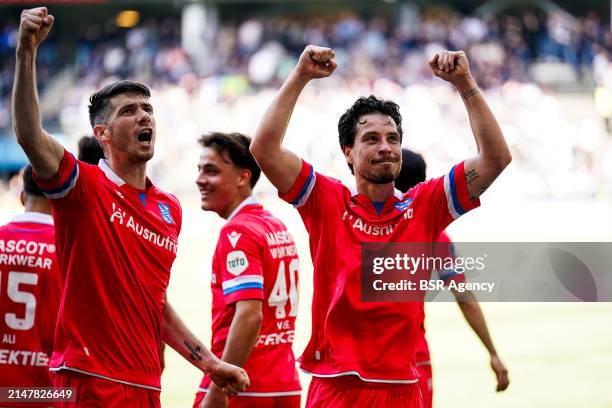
{"x":386,"y":56}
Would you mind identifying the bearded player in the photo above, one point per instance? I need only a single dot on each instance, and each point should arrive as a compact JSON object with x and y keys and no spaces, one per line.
{"x":254,"y":281}
{"x":362,"y":354}
{"x":413,"y":172}
{"x":116,"y":236}
{"x":30,"y":292}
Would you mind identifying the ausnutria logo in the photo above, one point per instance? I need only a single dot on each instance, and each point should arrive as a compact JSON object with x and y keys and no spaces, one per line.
{"x":120,"y":217}
{"x":117,"y":213}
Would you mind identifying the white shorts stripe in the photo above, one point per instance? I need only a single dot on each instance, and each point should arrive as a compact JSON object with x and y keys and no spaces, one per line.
{"x":76,"y":370}
{"x":262,"y":394}
{"x":374,"y":380}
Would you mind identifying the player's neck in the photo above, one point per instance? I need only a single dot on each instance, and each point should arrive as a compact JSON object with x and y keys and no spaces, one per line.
{"x":37,"y":205}
{"x":375,"y":192}
{"x":134,"y":174}
{"x":239,"y":199}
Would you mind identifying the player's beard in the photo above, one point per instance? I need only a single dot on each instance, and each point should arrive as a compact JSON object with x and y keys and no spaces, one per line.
{"x":386,"y":175}
{"x":131,"y":148}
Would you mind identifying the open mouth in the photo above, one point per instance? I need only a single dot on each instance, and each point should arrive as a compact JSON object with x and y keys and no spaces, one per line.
{"x":145,"y":136}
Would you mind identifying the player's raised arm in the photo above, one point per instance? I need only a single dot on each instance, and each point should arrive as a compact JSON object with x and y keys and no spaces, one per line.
{"x":44,"y":152}
{"x":227,"y":376}
{"x":493,"y":152}
{"x":280,"y":165}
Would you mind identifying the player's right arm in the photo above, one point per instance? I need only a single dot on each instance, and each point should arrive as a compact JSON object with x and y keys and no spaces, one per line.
{"x":473,"y":315}
{"x":240,"y":341}
{"x":280,"y":165}
{"x":43,"y":151}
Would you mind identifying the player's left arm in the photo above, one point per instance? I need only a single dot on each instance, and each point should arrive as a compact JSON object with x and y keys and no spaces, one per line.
{"x":240,"y":341}
{"x":493,"y":152}
{"x":473,"y":314}
{"x":231,"y":378}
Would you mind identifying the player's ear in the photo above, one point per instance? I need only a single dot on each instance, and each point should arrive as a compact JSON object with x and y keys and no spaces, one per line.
{"x":22,"y":197}
{"x":101,"y":132}
{"x":245,"y":177}
{"x":348,"y":150}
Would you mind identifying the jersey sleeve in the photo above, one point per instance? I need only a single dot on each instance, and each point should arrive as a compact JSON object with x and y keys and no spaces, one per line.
{"x":62,"y":185}
{"x":240,"y":259}
{"x":447,"y":199}
{"x":313,"y":194}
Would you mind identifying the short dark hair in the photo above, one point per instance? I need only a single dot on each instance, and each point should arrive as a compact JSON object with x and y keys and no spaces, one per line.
{"x":347,"y":125}
{"x":99,"y":102}
{"x":236,"y":145}
{"x":90,"y":150}
{"x":412,"y":172}
{"x":30,"y":187}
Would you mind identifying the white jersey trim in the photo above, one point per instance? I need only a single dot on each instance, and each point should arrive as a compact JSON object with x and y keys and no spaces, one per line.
{"x":262,"y":394}
{"x":34,"y":217}
{"x":449,"y":199}
{"x":64,"y":190}
{"x":374,"y":380}
{"x":250,"y":200}
{"x":76,"y":370}
{"x":110,"y":174}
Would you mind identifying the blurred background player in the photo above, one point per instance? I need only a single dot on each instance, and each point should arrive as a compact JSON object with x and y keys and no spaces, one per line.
{"x":412,"y":172}
{"x":362,"y":353}
{"x":30,"y":292}
{"x":117,"y":239}
{"x":254,"y":281}
{"x":90,"y":150}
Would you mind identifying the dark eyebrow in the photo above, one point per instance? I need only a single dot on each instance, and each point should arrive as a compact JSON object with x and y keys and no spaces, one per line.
{"x":134,"y":104}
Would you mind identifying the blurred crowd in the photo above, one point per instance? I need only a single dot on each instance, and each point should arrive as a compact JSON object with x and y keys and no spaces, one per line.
{"x":247,"y":60}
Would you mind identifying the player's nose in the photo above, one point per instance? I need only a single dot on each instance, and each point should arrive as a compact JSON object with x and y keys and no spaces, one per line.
{"x":144,"y":117}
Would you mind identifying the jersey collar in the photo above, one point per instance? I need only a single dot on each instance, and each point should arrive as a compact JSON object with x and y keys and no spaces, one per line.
{"x":353,"y":189}
{"x":34,"y":217}
{"x":112,"y":176}
{"x":250,"y":200}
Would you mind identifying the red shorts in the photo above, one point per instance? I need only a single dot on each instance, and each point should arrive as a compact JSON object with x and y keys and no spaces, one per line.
{"x":350,"y":392}
{"x":95,"y":392}
{"x":426,"y":384}
{"x":291,"y":401}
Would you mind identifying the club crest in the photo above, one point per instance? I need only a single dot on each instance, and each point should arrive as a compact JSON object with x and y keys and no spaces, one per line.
{"x":164,"y":210}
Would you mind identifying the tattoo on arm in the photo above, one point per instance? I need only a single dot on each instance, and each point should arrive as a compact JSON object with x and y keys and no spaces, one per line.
{"x":482,"y":190}
{"x":195,"y":351}
{"x":470,"y":93}
{"x":471,"y":175}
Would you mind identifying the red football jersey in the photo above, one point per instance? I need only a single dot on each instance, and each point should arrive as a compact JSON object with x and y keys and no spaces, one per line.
{"x":256,"y":258}
{"x":116,"y":245}
{"x":446,"y":249}
{"x":373,"y":340}
{"x":30,"y":292}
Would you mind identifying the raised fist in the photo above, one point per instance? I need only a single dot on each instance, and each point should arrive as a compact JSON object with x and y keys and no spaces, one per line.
{"x":34,"y":26}
{"x":316,"y":62}
{"x":451,"y":66}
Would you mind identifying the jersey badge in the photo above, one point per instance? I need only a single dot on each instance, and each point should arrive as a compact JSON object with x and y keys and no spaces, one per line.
{"x":403,"y":205}
{"x":237,"y":262}
{"x":164,"y":210}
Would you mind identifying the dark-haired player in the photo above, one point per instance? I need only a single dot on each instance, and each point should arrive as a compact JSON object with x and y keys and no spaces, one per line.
{"x":254,"y":281}
{"x":30,"y":292}
{"x":413,"y":172}
{"x":116,"y":235}
{"x":90,"y":150}
{"x":362,"y":354}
